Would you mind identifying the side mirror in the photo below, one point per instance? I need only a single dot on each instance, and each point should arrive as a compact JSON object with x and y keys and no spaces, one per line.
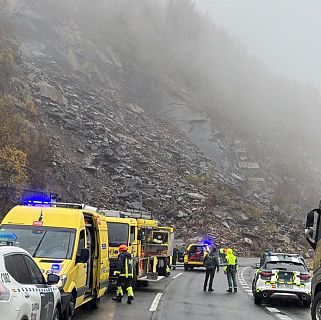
{"x":52,"y":279}
{"x":256,"y":266}
{"x":310,"y":230}
{"x":83,"y":257}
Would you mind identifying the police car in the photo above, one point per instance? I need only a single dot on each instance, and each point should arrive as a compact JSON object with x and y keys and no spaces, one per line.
{"x":283,"y":275}
{"x":24,"y":293}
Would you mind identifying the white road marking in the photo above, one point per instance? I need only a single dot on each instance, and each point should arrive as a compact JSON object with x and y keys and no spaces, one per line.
{"x":283,"y":317}
{"x":155,"y":303}
{"x":275,"y":310}
{"x":178,"y":275}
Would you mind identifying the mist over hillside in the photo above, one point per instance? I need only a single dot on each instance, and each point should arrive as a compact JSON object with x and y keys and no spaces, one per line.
{"x":235,"y":132}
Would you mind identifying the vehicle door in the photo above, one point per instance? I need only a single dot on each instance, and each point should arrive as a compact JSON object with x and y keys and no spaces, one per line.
{"x":80,"y":275}
{"x":46,"y":291}
{"x":30,"y":299}
{"x":103,"y":261}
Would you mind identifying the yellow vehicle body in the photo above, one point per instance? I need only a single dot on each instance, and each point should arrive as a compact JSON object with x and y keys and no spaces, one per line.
{"x":132,"y":229}
{"x":194,"y":255}
{"x":170,"y":243}
{"x":74,"y":231}
{"x":121,"y":231}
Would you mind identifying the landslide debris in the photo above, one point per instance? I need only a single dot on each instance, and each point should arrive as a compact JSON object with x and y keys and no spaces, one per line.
{"x":111,"y":145}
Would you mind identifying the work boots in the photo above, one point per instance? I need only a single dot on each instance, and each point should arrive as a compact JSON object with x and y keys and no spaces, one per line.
{"x":235,"y":290}
{"x":130,"y":299}
{"x":118,"y":298}
{"x":210,"y":289}
{"x":229,"y":290}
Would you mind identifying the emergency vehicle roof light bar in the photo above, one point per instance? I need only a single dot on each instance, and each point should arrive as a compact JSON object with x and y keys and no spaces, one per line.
{"x":61,"y":205}
{"x":284,"y":254}
{"x":127,"y":214}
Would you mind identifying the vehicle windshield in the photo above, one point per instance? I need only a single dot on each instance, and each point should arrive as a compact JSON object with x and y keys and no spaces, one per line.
{"x":44,"y":242}
{"x":117,"y":234}
{"x":285,"y":266}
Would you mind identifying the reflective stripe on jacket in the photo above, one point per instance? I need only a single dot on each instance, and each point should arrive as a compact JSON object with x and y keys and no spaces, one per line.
{"x":125,"y":265}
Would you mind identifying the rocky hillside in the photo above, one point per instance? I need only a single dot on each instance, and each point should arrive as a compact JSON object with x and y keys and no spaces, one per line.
{"x":125,"y":132}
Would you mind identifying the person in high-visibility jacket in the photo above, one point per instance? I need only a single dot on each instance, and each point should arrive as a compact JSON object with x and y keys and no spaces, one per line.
{"x":230,"y":269}
{"x":125,"y":273}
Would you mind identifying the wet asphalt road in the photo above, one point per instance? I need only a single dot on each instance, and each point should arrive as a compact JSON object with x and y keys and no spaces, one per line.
{"x":182,"y":298}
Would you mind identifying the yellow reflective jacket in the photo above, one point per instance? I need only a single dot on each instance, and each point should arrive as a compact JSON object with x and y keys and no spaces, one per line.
{"x":231,"y":260}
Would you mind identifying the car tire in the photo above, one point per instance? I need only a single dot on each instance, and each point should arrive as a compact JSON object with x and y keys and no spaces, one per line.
{"x":316,"y":307}
{"x":258,"y":298}
{"x":70,"y":310}
{"x":56,"y":314}
{"x":306,"y":303}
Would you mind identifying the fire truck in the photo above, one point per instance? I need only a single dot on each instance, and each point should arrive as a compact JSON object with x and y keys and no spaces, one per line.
{"x":150,"y":245}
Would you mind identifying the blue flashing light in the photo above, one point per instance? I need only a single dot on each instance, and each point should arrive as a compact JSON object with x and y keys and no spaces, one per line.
{"x":37,"y":201}
{"x":55,"y":268}
{"x":4,"y":236}
{"x":8,"y":239}
{"x":209,"y":242}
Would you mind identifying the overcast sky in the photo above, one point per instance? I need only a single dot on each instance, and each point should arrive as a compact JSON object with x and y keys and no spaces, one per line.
{"x":284,"y":34}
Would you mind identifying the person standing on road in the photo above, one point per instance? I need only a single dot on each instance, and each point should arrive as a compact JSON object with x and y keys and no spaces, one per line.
{"x":230,"y":269}
{"x":125,"y":273}
{"x":211,"y":264}
{"x":222,"y":255}
{"x":175,"y":256}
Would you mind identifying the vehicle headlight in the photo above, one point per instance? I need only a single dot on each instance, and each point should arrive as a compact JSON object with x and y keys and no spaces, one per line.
{"x":62,"y":281}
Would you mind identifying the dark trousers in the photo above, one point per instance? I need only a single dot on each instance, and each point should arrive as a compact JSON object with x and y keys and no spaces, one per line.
{"x":222,"y":257}
{"x":209,"y":275}
{"x":174,"y":262}
{"x":127,"y":282}
{"x":231,"y":278}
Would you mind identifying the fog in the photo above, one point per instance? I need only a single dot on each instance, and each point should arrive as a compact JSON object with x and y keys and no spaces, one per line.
{"x":281,"y":33}
{"x":151,"y":51}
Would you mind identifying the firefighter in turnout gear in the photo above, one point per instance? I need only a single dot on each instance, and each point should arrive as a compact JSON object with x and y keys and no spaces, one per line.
{"x":125,"y":273}
{"x":230,"y":269}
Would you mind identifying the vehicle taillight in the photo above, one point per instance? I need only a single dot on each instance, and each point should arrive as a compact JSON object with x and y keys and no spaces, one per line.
{"x":266,"y":274}
{"x":304,"y":277}
{"x":4,"y":293}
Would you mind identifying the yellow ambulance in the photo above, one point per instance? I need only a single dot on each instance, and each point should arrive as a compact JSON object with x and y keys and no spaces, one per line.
{"x":70,"y":240}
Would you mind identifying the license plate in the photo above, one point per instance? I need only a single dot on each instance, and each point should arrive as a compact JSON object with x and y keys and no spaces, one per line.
{"x":284,"y":285}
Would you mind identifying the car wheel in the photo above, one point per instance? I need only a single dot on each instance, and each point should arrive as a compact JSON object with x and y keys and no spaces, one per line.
{"x":56,"y":315}
{"x":258,"y":298}
{"x":306,"y":303}
{"x":70,"y":310}
{"x":316,"y":307}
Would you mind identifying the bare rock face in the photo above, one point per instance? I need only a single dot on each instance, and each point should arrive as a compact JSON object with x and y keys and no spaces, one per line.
{"x":48,"y":91}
